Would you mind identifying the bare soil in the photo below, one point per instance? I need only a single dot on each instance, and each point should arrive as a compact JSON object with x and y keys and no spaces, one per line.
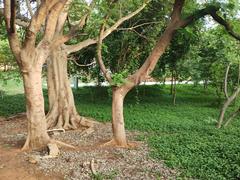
{"x":90,"y":160}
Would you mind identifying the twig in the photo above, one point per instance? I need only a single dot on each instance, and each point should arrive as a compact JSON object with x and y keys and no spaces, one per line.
{"x":84,"y":65}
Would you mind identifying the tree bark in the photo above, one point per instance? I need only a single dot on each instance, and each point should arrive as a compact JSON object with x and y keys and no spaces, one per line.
{"x":37,"y":127}
{"x":62,"y":111}
{"x":226,"y":81}
{"x":119,"y":135}
{"x":232,"y":116}
{"x":174,"y":91}
{"x":171,"y":90}
{"x":225,"y":106}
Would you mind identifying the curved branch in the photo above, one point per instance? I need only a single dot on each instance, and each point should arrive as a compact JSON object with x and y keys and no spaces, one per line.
{"x":227,"y":26}
{"x":84,"y":65}
{"x":83,"y":44}
{"x":226,"y":81}
{"x":212,"y":11}
{"x":99,"y":56}
{"x":10,"y":18}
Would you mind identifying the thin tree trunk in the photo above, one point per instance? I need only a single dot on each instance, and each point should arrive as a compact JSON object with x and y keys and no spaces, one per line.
{"x":174,"y":91}
{"x":37,"y":127}
{"x":205,"y":85}
{"x":171,"y":90}
{"x":226,"y":81}
{"x":119,"y":135}
{"x":225,"y":106}
{"x":62,"y":111}
{"x":238,"y":80}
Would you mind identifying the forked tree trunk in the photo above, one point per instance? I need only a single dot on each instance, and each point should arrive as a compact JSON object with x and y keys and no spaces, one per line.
{"x":37,"y":128}
{"x":226,"y":104}
{"x":119,"y":135}
{"x":62,"y":111}
{"x":232,"y":116}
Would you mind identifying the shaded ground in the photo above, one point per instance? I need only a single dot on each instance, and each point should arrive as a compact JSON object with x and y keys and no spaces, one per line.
{"x":107,"y":163}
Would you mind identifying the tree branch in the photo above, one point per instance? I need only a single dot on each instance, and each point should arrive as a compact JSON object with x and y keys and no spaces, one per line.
{"x":197,"y":15}
{"x":224,"y":23}
{"x":104,"y":70}
{"x":51,"y":24}
{"x":10,"y":15}
{"x":37,"y":21}
{"x":226,"y":81}
{"x":74,"y":27}
{"x":212,"y":11}
{"x":84,"y":65}
{"x":160,"y":47}
{"x":139,"y":25}
{"x":177,"y":9}
{"x":83,"y":44}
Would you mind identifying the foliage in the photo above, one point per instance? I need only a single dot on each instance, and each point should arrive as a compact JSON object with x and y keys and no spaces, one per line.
{"x":119,"y":78}
{"x":184,"y":136}
{"x":8,"y":64}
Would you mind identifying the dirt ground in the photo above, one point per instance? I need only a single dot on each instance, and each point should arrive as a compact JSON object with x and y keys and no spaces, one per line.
{"x":88,"y":161}
{"x":13,"y":163}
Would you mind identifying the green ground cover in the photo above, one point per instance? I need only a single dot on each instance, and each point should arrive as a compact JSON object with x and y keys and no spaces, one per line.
{"x":183,"y":135}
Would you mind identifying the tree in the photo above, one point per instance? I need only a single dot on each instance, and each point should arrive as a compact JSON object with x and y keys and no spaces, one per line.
{"x":62,"y":111}
{"x":30,"y":56}
{"x":121,"y":85}
{"x":45,"y":38}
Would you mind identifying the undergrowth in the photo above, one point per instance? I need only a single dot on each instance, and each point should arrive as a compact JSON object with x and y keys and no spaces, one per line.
{"x":184,"y":136}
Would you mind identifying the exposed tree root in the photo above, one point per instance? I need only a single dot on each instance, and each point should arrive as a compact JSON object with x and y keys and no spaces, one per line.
{"x":72,"y":123}
{"x":62,"y":144}
{"x":60,"y":129}
{"x":37,"y":145}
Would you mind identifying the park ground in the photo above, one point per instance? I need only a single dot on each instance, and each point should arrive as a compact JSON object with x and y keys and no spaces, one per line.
{"x":175,"y":141}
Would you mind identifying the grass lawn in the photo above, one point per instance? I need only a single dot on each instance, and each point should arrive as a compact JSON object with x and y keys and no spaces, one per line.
{"x":183,"y":135}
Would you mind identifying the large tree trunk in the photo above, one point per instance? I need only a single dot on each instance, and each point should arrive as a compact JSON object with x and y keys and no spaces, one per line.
{"x":62,"y":111}
{"x":37,"y":128}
